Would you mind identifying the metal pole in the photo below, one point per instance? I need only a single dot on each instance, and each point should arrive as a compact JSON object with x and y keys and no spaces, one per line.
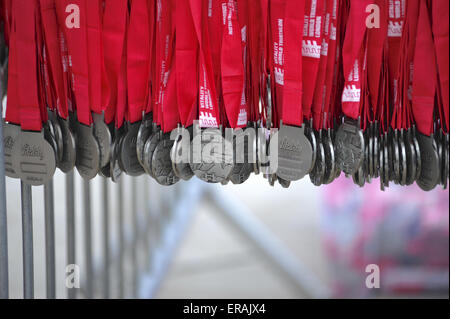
{"x":106,"y":248}
{"x":50,"y":239}
{"x":135,"y":227}
{"x":4,"y":285}
{"x":121,"y":240}
{"x":89,"y":291}
{"x":70,"y":198}
{"x":146,"y":221}
{"x":27,"y":241}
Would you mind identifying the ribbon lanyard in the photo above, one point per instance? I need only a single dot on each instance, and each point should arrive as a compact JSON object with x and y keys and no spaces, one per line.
{"x":94,"y":57}
{"x":54,"y":57}
{"x":187,"y":64}
{"x":169,"y":105}
{"x":113,"y":36}
{"x":164,"y":58}
{"x":424,"y":92}
{"x":311,"y":51}
{"x":255,"y":52}
{"x":441,"y":42}
{"x":138,"y":55}
{"x":287,"y":49}
{"x":12,"y":107}
{"x":319,"y":109}
{"x":376,"y":46}
{"x":353,"y":58}
{"x":77,"y":47}
{"x":121,"y":106}
{"x":208,"y":103}
{"x":27,"y":68}
{"x":151,"y":61}
{"x":232,"y":67}
{"x":332,"y":61}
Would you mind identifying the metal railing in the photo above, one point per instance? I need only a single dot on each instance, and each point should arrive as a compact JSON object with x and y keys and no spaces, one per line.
{"x":133,"y":257}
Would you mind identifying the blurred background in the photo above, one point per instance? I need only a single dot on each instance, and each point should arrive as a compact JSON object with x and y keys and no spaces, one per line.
{"x":334,"y":231}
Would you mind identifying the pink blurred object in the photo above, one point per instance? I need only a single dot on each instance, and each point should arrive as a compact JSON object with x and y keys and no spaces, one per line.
{"x":404,"y":230}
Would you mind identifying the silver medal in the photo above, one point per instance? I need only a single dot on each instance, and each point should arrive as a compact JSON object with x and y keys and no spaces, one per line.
{"x":162,"y":164}
{"x":295,"y":153}
{"x":128,"y":155}
{"x":180,"y":163}
{"x":349,"y":146}
{"x":34,"y":159}
{"x":88,"y":152}
{"x":145,"y":130}
{"x":216,"y":164}
{"x":67,"y":162}
{"x":10,"y":135}
{"x":103,"y":136}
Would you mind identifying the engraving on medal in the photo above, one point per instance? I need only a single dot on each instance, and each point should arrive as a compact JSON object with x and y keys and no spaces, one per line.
{"x":295,"y":153}
{"x":10,"y":135}
{"x":88,"y":152}
{"x":162,"y":164}
{"x":34,"y":158}
{"x":216,"y":164}
{"x":349,"y":146}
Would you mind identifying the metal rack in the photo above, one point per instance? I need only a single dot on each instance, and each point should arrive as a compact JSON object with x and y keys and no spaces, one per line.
{"x":136,"y":255}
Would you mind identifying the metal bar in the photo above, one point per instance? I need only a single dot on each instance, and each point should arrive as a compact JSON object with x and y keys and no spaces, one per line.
{"x":27,"y":241}
{"x":270,"y":247}
{"x":150,"y":281}
{"x":146,"y":222}
{"x":4,"y":285}
{"x":135,"y":227}
{"x":89,"y":291}
{"x":50,"y":239}
{"x":120,"y":225}
{"x":106,"y":248}
{"x":70,"y":198}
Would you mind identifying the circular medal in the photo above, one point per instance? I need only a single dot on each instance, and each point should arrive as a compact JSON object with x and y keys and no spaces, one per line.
{"x":429,"y":174}
{"x":180,"y":162}
{"x":216,"y":164}
{"x":128,"y":155}
{"x":69,"y":154}
{"x":149,"y":148}
{"x":144,"y":132}
{"x":242,"y":168}
{"x":162,"y":164}
{"x":34,"y":159}
{"x":295,"y":153}
{"x":318,"y":171}
{"x":88,"y":152}
{"x":103,"y":136}
{"x":349,"y":146}
{"x":10,"y":135}
{"x":114,"y":167}
{"x":403,"y":165}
